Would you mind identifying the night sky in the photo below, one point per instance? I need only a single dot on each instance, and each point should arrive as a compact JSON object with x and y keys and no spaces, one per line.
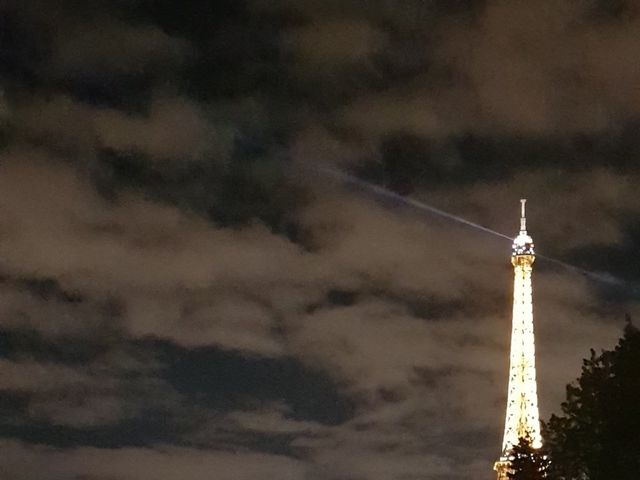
{"x":188,"y":290}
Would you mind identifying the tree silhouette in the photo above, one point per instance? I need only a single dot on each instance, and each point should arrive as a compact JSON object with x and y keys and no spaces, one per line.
{"x":597,"y":437}
{"x":527,"y":463}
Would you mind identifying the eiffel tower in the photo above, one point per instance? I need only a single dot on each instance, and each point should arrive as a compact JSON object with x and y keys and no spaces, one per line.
{"x":522,"y":419}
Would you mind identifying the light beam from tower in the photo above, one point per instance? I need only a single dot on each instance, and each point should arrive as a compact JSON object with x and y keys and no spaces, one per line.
{"x":522,"y":419}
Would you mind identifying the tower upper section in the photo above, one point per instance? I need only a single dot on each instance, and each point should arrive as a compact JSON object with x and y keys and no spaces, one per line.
{"x":522,"y":250}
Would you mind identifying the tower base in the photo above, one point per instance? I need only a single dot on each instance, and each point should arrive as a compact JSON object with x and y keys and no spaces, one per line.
{"x":502,"y":467}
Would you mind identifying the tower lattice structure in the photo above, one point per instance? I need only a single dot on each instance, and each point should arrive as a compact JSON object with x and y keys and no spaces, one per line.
{"x":522,"y":419}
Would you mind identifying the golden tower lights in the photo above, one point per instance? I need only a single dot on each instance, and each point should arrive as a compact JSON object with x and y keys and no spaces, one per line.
{"x":522,"y":419}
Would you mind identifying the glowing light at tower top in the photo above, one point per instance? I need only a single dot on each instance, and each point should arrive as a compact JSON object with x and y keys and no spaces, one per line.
{"x":523,"y":243}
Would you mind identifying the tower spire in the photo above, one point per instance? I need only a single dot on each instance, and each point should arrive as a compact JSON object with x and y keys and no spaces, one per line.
{"x":522,"y":418}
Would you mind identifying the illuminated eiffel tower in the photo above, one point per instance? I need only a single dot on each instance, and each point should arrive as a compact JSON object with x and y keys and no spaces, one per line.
{"x":522,"y":418}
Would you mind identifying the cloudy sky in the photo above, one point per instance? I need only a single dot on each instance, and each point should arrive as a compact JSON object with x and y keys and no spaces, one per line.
{"x":187,"y":291}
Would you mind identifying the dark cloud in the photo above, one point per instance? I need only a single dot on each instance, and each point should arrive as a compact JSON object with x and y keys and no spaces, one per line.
{"x":163,"y":462}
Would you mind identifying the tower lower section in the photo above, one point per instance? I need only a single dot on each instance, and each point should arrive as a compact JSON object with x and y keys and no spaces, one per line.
{"x":502,"y":467}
